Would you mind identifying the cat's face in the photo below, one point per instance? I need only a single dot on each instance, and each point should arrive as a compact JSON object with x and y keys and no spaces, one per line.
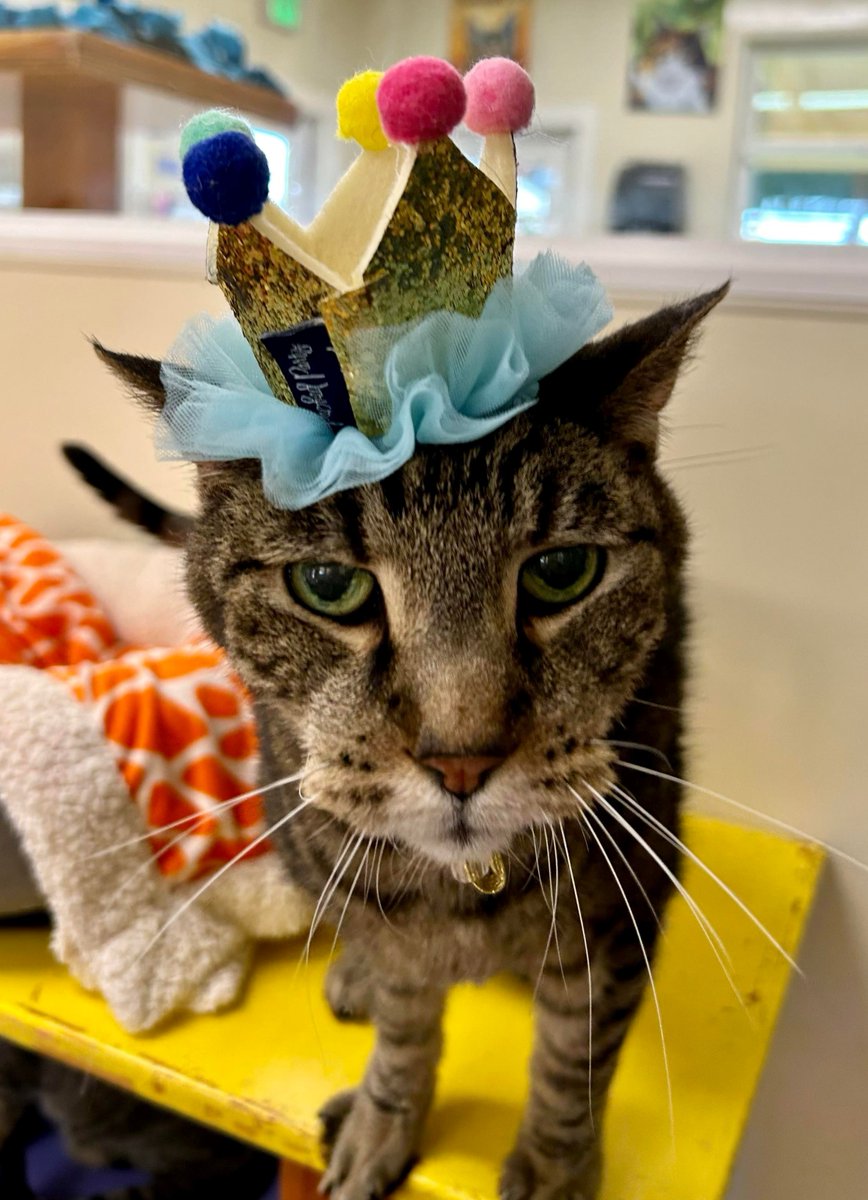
{"x":458,"y":648}
{"x":495,"y":601}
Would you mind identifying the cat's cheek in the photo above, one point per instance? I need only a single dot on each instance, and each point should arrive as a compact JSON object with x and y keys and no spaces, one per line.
{"x":273,"y":658}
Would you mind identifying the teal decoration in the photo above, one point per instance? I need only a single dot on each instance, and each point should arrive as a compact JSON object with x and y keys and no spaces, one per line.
{"x":207,"y":124}
{"x":218,"y":48}
{"x":449,"y":379}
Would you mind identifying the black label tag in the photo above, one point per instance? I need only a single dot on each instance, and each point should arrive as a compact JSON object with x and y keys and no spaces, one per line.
{"x":307,"y":359}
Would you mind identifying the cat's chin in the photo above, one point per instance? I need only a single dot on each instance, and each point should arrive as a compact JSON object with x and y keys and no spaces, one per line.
{"x":452,"y":854}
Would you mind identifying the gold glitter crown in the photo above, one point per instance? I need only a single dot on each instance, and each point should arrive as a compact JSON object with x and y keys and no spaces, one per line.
{"x":412,"y":227}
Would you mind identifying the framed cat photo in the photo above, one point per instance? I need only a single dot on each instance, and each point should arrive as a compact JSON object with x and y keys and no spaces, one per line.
{"x":675,"y":56}
{"x":488,"y":29}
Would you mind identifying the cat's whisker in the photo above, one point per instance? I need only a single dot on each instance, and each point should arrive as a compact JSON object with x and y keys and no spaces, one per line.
{"x":557,"y":893}
{"x":554,"y":858}
{"x":379,"y":898}
{"x":590,"y":976}
{"x":195,"y":818}
{"x":588,"y":811}
{"x":548,"y":851}
{"x":343,"y":849}
{"x":352,"y":888}
{"x":418,"y":870}
{"x":754,"y":812}
{"x":713,"y":938}
{"x":694,"y":858}
{"x":185,"y":833}
{"x":551,"y":904}
{"x":304,"y":957}
{"x":535,"y":870}
{"x":654,"y":704}
{"x":414,"y":870}
{"x":348,"y":850}
{"x":157,"y":854}
{"x":702,"y":466}
{"x":330,"y":820}
{"x":633,"y":746}
{"x":704,"y":923}
{"x":150,"y":863}
{"x":370,"y":860}
{"x":733,"y":452}
{"x":651,"y":983}
{"x":212,"y":879}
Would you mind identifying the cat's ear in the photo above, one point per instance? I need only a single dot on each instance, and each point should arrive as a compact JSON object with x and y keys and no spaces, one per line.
{"x":140,"y":375}
{"x":619,"y":385}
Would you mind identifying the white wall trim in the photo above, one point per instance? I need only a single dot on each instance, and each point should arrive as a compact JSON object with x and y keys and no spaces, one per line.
{"x":97,"y":241}
{"x":811,"y":278}
{"x":802,"y":277}
{"x":789,"y":18}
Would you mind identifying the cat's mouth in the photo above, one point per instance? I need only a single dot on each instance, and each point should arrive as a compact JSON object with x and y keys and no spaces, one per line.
{"x":461,"y":829}
{"x":486,"y":873}
{"x":466,"y":846}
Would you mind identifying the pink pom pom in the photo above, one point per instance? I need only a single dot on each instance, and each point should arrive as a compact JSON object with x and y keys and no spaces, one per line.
{"x":420,"y":99}
{"x":500,"y":97}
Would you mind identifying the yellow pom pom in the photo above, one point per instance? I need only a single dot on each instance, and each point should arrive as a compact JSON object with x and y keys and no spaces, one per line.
{"x":358,"y":117}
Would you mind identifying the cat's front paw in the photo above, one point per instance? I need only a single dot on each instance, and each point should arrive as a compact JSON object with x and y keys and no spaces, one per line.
{"x":370,"y":1146}
{"x":349,"y":988}
{"x":530,"y":1176}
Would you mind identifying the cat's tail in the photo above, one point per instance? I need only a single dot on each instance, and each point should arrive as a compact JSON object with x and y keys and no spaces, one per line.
{"x":128,"y":501}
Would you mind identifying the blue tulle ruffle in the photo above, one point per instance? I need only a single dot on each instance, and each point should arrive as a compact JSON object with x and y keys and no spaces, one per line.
{"x":445,"y":379}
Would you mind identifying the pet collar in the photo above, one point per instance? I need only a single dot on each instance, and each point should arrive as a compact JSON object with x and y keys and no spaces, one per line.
{"x":394,"y":318}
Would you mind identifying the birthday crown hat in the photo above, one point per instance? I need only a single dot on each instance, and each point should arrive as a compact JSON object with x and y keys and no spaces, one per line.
{"x":412,"y":228}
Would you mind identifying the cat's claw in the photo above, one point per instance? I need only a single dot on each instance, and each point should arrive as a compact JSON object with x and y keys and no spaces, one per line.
{"x":369,"y":1150}
{"x":526,"y":1176}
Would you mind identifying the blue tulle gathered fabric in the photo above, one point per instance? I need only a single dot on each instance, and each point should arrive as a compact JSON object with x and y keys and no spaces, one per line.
{"x":444,"y":379}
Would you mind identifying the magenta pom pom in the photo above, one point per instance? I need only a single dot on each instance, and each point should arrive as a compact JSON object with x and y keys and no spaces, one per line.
{"x":420,"y":99}
{"x":500,"y":97}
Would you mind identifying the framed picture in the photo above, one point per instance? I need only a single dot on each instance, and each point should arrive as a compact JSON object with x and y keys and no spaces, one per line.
{"x":675,"y":56}
{"x":484,"y":28}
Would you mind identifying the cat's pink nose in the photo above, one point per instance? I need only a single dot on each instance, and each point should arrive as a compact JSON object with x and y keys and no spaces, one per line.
{"x":462,"y":774}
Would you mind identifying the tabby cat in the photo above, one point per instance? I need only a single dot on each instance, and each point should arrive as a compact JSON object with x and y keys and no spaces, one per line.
{"x":452,"y":658}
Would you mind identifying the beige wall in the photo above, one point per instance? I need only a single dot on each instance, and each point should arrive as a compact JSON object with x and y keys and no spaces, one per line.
{"x":54,"y":389}
{"x":780,"y":576}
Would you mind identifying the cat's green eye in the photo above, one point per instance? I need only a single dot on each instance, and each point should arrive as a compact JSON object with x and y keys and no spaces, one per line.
{"x":332,"y":589}
{"x":561,"y":576}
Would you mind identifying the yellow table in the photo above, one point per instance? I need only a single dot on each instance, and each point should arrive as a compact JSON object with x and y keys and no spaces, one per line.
{"x":262,"y":1070}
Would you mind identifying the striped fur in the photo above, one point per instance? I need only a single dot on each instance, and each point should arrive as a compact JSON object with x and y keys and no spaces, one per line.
{"x":128,"y":501}
{"x":448,"y":665}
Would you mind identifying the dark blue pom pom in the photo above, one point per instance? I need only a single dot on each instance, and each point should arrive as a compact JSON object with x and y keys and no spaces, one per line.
{"x":226,"y":177}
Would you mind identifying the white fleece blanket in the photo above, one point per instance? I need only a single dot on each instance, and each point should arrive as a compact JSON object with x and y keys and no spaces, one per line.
{"x":122,"y":926}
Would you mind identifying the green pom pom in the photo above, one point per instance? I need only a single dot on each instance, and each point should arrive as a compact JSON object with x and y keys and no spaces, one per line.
{"x":206,"y":124}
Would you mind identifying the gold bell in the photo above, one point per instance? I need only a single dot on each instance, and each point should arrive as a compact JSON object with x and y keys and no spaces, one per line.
{"x":490,"y":879}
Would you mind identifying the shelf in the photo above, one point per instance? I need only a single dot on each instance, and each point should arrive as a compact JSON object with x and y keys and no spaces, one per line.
{"x":289,"y":1054}
{"x":71,"y":86}
{"x":56,"y":53}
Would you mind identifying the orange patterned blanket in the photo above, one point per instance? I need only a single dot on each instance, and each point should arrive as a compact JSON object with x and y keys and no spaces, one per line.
{"x":129,"y":772}
{"x":176,"y":720}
